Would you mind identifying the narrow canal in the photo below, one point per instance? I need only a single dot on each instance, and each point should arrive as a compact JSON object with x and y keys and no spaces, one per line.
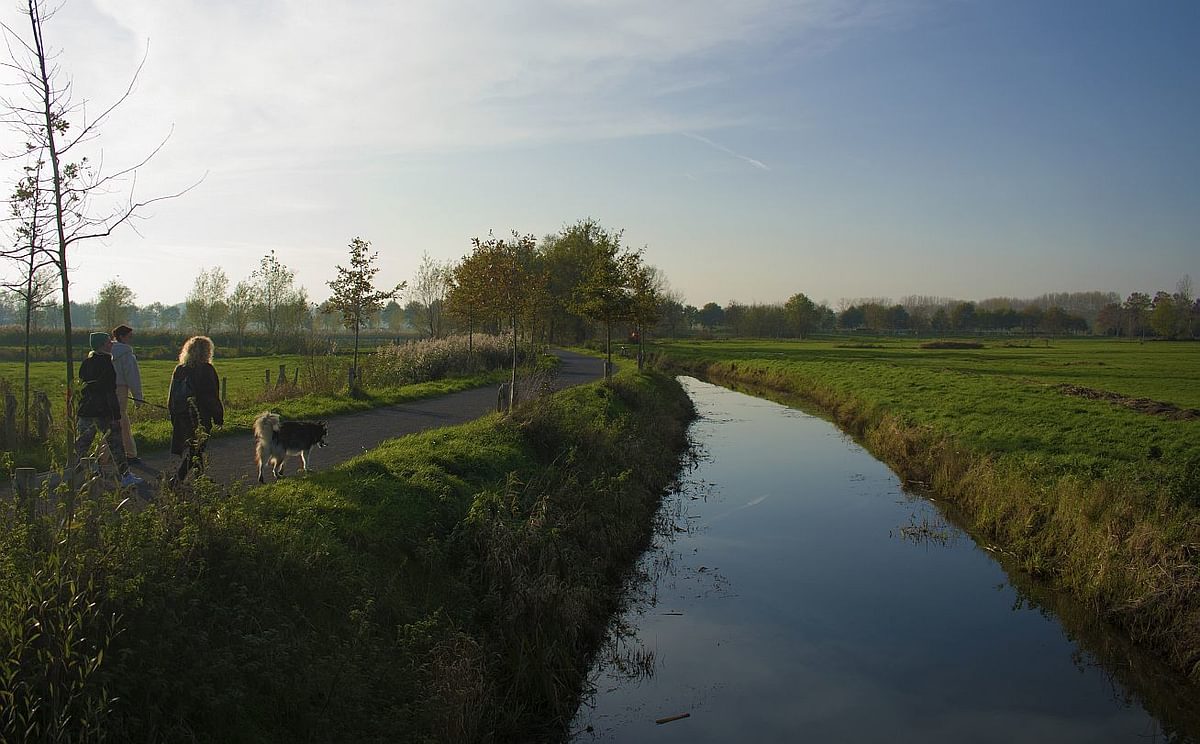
{"x":797,"y":593}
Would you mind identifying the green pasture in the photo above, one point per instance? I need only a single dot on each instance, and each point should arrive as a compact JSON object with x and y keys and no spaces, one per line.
{"x":247,"y":390}
{"x":1003,"y":399}
{"x":246,"y":376}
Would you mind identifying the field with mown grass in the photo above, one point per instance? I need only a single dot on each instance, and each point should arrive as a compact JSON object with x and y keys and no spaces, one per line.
{"x":1078,"y":458}
{"x":449,"y":586}
{"x":245,"y":375}
{"x":316,"y":385}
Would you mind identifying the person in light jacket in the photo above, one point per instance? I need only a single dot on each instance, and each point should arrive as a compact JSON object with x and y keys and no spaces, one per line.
{"x":129,"y":382}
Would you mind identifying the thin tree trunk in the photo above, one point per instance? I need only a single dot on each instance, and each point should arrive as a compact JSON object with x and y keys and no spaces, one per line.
{"x":608,"y":349}
{"x":355,"y":355}
{"x":28,"y":323}
{"x":641,"y":347}
{"x":35,"y":21}
{"x":512,"y":388}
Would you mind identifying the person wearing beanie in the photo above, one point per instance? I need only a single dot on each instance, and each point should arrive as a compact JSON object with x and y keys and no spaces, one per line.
{"x":99,"y":412}
{"x":129,"y":384}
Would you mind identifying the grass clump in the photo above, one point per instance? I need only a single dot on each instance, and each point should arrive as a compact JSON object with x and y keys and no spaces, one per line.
{"x":448,"y":586}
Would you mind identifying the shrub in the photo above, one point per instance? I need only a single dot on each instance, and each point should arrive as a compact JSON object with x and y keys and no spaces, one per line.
{"x":433,"y":359}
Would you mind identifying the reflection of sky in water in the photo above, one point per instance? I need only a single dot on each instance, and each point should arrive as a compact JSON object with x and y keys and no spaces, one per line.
{"x":806,"y":618}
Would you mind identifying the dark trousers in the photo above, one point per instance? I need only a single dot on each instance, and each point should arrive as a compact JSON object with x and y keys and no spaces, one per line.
{"x":88,"y":428}
{"x":193,"y":459}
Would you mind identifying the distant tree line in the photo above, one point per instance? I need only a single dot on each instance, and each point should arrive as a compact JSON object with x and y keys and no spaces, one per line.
{"x":1171,"y":315}
{"x":563,"y":288}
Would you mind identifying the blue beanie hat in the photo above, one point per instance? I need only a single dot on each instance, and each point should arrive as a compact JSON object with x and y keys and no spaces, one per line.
{"x":96,"y":340}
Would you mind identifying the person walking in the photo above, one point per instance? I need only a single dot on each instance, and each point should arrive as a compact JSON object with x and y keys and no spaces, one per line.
{"x":129,"y":383}
{"x":194,"y":403}
{"x":99,"y":412}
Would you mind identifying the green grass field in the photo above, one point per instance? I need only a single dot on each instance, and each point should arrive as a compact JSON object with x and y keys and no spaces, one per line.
{"x":247,"y":391}
{"x":1003,"y":400}
{"x":245,"y":375}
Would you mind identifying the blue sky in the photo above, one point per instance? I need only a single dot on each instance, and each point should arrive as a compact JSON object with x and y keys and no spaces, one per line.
{"x":755,"y":149}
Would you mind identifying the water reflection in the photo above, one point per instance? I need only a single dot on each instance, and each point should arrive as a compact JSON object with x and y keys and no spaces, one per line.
{"x":796,"y":592}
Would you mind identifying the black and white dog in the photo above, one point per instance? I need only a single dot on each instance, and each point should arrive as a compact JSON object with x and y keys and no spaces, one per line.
{"x":274,"y":440}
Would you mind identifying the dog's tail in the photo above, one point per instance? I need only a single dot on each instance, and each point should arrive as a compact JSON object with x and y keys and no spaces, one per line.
{"x":266,"y":424}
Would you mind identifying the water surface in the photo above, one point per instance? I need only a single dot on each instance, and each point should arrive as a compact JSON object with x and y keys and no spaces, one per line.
{"x":797,"y":593}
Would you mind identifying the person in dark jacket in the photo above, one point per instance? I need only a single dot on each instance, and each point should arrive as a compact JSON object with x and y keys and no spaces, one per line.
{"x":194,"y":402}
{"x":99,"y":412}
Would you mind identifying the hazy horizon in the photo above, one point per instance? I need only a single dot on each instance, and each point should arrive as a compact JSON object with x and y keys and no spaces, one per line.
{"x":841,"y":149}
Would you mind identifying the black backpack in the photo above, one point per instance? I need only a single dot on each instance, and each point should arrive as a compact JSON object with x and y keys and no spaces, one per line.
{"x":180,"y":400}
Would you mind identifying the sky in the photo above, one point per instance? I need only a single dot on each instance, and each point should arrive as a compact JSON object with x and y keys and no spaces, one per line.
{"x":754,"y":149}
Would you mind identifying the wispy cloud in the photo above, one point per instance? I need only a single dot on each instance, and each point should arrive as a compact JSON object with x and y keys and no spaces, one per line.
{"x":262,"y":77}
{"x":756,"y":163}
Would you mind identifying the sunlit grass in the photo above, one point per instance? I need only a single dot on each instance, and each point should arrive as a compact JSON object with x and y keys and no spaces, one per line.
{"x":1000,"y":399}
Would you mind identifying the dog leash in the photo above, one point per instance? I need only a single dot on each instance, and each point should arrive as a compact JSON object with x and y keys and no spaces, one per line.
{"x":139,"y":400}
{"x":249,"y":423}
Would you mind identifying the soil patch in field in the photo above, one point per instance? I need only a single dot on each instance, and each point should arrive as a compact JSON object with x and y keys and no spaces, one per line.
{"x":1141,"y":405}
{"x":951,"y":345}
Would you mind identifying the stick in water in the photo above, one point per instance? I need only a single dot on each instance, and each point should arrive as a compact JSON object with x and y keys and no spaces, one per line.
{"x":668,"y":719}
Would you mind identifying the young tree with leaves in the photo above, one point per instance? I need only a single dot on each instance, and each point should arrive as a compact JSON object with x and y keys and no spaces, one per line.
{"x":801,"y":313}
{"x":37,"y":284}
{"x":205,"y":307}
{"x":645,"y":299}
{"x":430,"y":288}
{"x":507,"y":283}
{"x":467,"y":296}
{"x":274,"y":284}
{"x":114,"y":305}
{"x":604,"y":293}
{"x":240,"y":306}
{"x":354,"y":293}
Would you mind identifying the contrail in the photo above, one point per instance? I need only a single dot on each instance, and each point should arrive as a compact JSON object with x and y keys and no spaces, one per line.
{"x":756,"y":163}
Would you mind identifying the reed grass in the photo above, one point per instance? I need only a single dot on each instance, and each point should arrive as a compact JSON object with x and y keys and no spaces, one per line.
{"x":449,"y":586}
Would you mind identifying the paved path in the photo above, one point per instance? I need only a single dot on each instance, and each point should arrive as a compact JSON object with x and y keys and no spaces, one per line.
{"x":231,"y":459}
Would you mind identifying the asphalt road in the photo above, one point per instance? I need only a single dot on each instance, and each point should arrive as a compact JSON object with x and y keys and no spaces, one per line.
{"x":231,"y":459}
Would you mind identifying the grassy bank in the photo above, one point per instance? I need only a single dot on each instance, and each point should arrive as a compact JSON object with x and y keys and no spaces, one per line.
{"x":1080,"y":459}
{"x":444,"y":587}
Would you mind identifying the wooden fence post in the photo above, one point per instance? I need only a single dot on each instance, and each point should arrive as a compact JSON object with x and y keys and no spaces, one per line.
{"x":268,"y":380}
{"x":10,"y":420}
{"x":43,"y":415}
{"x":282,"y":379}
{"x":23,"y":484}
{"x":225,"y":390}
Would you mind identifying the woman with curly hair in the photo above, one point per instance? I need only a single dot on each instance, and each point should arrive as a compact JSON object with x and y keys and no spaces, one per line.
{"x":194,"y":402}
